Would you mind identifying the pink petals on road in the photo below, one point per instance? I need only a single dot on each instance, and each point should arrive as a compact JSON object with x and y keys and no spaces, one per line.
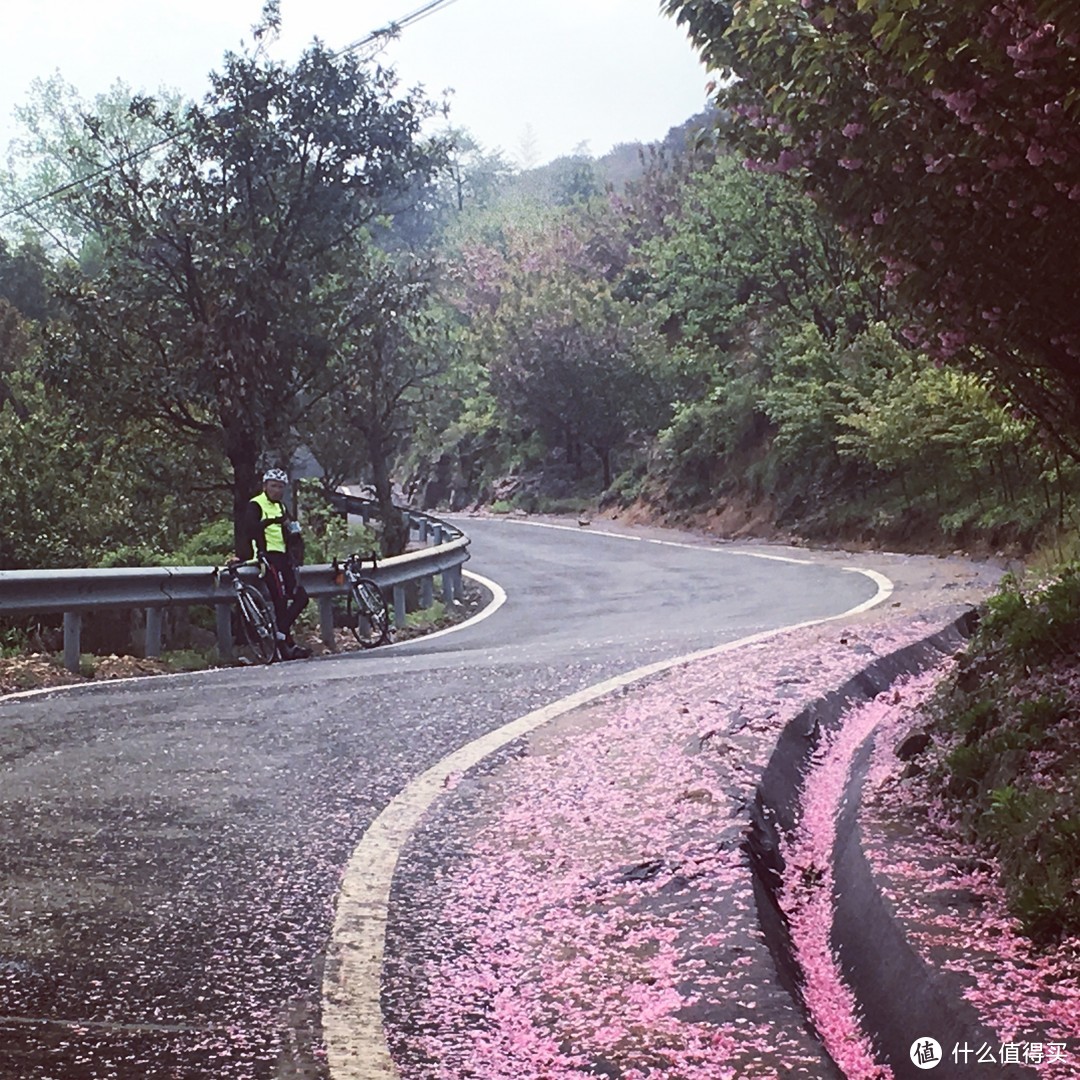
{"x":600,"y":919}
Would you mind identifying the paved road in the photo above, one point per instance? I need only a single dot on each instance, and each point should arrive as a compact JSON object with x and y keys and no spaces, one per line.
{"x":170,"y":849}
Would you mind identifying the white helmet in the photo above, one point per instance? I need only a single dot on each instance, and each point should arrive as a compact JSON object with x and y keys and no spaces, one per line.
{"x":276,"y":474}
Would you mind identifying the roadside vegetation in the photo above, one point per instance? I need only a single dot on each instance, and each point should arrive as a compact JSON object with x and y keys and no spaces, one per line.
{"x":1007,"y":747}
{"x":838,"y":307}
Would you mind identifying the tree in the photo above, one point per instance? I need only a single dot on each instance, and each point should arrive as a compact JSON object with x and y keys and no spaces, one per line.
{"x":944,"y":136}
{"x":390,"y":348}
{"x":226,"y":259}
{"x":741,"y":251}
{"x":565,"y":356}
{"x":474,"y":176}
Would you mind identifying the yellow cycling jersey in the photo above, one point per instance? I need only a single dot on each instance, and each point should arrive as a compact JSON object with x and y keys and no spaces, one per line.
{"x":273,"y":519}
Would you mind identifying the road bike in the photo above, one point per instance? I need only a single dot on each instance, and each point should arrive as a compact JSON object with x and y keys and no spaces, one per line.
{"x":366,"y":613}
{"x":254,"y":626}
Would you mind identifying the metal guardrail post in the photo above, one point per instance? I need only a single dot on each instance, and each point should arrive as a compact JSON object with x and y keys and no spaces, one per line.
{"x":447,"y":588}
{"x":326,"y":620}
{"x":152,"y":640}
{"x":72,"y":640}
{"x":399,"y":605}
{"x":427,"y":592}
{"x":437,"y":535}
{"x":459,"y":583}
{"x":223,"y":619}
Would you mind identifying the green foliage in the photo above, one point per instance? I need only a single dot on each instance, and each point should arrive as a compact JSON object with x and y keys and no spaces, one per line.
{"x":745,"y":252}
{"x":940,"y":134}
{"x":629,"y":485}
{"x":1034,"y":627}
{"x":230,"y":258}
{"x":702,"y":443}
{"x":1009,"y":715}
{"x":83,"y":493}
{"x":190,"y":659}
{"x":558,"y":352}
{"x":14,"y":641}
{"x":424,"y":618}
{"x":210,"y":546}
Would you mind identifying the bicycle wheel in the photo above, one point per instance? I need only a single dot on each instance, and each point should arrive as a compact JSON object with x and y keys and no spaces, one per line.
{"x":256,"y":642}
{"x":368,"y":617}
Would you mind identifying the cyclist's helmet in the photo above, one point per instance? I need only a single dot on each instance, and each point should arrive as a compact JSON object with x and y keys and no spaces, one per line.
{"x":276,"y":474}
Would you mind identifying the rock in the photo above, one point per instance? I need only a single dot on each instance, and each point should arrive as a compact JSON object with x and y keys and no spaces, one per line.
{"x":913,"y":745}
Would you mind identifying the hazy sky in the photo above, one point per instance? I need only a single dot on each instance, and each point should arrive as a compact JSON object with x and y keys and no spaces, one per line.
{"x":597,"y":72}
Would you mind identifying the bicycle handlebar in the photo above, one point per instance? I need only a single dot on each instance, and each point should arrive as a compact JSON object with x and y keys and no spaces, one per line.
{"x":232,"y":566}
{"x":356,"y":558}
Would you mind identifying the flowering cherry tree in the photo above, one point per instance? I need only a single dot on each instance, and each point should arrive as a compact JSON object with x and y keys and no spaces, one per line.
{"x":945,"y":135}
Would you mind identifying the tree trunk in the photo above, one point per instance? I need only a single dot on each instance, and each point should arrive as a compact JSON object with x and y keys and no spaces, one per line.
{"x":604,"y":454}
{"x":395,"y":533}
{"x":243,"y":454}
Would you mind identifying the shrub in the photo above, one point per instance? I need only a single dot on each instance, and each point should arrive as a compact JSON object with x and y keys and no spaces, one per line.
{"x":1010,"y":714}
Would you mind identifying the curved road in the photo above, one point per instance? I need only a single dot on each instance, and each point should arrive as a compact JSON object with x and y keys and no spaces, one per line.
{"x":171,"y":849}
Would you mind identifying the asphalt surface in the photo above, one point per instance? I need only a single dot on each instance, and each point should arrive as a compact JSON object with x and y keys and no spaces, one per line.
{"x":170,"y":849}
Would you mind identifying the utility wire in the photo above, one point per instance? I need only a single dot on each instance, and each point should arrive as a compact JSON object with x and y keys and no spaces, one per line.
{"x":83,"y":180}
{"x":390,"y":30}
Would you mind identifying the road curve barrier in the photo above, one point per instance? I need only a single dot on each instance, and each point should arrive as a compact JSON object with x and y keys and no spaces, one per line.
{"x":74,"y":592}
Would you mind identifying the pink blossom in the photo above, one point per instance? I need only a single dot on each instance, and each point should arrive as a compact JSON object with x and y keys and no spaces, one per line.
{"x":788,"y":159}
{"x":851,"y":164}
{"x":852,"y":129}
{"x":952,"y":340}
{"x":962,"y":103}
{"x":1035,"y":154}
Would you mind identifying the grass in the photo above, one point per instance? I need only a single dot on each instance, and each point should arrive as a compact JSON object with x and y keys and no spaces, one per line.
{"x":425,"y":618}
{"x":190,"y":659}
{"x":1009,"y":748}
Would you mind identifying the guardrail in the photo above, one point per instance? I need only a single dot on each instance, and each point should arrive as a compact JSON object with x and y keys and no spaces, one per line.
{"x":75,"y":592}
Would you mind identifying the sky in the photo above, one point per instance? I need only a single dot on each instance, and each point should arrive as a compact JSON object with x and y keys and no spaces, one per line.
{"x":536,"y":79}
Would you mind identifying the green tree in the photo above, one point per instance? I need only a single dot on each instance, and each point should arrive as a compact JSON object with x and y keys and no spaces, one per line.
{"x":474,"y":176}
{"x":742,"y":251}
{"x":565,"y":357}
{"x":391,"y":348}
{"x":227,"y":258}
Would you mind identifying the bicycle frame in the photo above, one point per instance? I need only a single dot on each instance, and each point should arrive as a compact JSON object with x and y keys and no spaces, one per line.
{"x":371,"y":607}
{"x":258,"y":628}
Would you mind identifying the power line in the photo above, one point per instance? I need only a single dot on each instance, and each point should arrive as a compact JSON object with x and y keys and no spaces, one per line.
{"x":391,"y":30}
{"x":84,"y":180}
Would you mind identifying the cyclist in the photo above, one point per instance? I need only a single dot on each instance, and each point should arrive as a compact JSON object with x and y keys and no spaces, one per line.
{"x":267,"y":527}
